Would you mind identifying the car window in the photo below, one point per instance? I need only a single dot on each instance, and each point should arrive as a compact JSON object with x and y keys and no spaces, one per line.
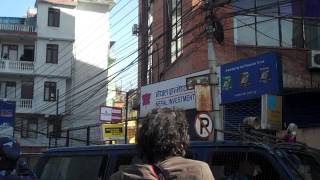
{"x":72,"y":168}
{"x":305,"y":164}
{"x":125,"y":159}
{"x":242,"y":165}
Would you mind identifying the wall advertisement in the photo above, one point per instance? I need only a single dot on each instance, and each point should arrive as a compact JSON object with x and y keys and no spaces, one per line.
{"x":250,"y":78}
{"x":169,"y":93}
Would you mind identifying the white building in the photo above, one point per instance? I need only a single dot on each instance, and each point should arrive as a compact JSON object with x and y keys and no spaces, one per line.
{"x":59,"y":48}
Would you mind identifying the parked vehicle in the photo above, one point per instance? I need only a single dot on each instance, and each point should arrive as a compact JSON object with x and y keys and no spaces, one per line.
{"x":226,"y":159}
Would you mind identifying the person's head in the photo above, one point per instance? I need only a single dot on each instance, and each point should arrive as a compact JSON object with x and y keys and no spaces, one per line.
{"x":9,"y":153}
{"x":164,"y":133}
{"x":292,"y":129}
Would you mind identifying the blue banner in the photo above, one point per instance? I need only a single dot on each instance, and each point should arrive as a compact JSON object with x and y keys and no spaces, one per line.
{"x":7,"y":113}
{"x":250,"y":78}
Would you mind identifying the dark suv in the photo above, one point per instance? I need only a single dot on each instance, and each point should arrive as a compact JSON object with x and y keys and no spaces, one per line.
{"x":226,"y":160}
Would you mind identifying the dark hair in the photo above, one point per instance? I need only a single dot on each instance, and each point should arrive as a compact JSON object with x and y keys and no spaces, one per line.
{"x":163,"y":133}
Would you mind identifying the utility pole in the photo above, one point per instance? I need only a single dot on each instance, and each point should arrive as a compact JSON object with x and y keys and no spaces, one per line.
{"x":126,"y":121}
{"x":56,"y":121}
{"x":212,"y":61}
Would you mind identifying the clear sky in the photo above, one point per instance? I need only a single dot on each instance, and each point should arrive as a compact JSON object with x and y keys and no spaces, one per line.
{"x":15,"y":8}
{"x":122,"y":17}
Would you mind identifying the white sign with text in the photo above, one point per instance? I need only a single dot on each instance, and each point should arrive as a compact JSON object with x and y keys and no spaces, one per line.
{"x":170,"y":93}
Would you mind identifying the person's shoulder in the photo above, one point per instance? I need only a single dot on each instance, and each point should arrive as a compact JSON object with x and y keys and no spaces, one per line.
{"x":136,"y":171}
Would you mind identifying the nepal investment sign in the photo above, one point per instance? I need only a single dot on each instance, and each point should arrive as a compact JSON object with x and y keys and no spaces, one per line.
{"x":170,"y":93}
{"x":250,"y":78}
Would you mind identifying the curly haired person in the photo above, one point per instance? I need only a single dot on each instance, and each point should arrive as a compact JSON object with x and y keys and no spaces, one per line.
{"x":162,"y":142}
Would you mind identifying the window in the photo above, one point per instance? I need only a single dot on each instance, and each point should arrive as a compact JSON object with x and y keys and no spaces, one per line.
{"x":10,"y":90}
{"x":176,"y":29}
{"x":52,"y":53}
{"x":27,"y":90}
{"x":28,"y":53}
{"x":125,"y":159}
{"x":29,"y":128}
{"x":50,"y":91}
{"x":150,"y":41}
{"x":53,"y":17}
{"x":76,"y":167}
{"x":268,"y":23}
{"x":9,"y":52}
{"x":54,"y":128}
{"x":243,"y":165}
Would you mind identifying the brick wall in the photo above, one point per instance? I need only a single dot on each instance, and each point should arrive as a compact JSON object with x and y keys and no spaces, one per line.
{"x":295,"y":62}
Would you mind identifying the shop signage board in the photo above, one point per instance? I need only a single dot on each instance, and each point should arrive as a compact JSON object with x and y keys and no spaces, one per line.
{"x":250,"y":78}
{"x":113,"y":131}
{"x":170,"y":93}
{"x":271,"y":113}
{"x":7,"y":116}
{"x":110,"y":114}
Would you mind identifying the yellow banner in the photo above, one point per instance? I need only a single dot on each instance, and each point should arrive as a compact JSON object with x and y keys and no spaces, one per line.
{"x":113,"y":131}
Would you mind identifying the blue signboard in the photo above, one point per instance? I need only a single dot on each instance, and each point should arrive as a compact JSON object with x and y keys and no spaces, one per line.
{"x":250,"y":78}
{"x":7,"y":115}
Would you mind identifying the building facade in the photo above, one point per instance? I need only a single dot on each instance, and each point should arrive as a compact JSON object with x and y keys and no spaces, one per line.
{"x":173,"y":43}
{"x":53,"y":65}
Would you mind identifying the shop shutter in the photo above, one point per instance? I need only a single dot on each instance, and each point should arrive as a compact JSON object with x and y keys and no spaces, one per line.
{"x":235,"y":113}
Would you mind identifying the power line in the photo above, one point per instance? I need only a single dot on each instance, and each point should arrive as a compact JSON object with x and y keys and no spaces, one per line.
{"x":139,"y":48}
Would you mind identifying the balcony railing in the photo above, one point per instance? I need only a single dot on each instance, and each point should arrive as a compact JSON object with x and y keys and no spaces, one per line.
{"x":11,"y":66}
{"x":22,"y":105}
{"x":16,"y":24}
{"x":17,"y":27}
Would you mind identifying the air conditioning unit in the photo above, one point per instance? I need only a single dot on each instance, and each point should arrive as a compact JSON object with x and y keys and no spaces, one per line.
{"x":315,"y":59}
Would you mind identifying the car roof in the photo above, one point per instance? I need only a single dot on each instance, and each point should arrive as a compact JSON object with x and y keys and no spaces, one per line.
{"x":193,"y":144}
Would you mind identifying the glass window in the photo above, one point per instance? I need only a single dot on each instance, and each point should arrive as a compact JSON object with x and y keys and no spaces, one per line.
{"x":9,"y":52}
{"x":53,"y":17}
{"x":73,"y":168}
{"x":267,"y":31}
{"x":29,"y":128}
{"x":52,"y":53}
{"x":28,"y":53}
{"x":54,"y":128}
{"x":244,"y":30}
{"x":10,"y":90}
{"x":242,"y":165}
{"x":27,"y":90}
{"x":176,"y":33}
{"x":50,"y":91}
{"x":312,"y":34}
{"x":267,"y":7}
{"x":125,"y":159}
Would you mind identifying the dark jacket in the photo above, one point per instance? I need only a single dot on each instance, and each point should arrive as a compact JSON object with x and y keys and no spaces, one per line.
{"x":177,"y":168}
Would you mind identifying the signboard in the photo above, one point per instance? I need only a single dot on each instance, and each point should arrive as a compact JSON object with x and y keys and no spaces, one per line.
{"x":170,"y":93}
{"x":113,"y":131}
{"x":203,"y":98}
{"x":203,"y":125}
{"x":7,"y":116}
{"x":250,"y":78}
{"x":110,"y":114}
{"x":271,"y":114}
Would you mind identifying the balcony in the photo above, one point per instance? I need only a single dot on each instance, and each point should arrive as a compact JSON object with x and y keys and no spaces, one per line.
{"x":16,"y":67}
{"x":22,"y":105}
{"x":12,"y":24}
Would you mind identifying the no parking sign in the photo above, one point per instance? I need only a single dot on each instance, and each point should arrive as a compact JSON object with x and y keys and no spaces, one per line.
{"x":203,"y":125}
